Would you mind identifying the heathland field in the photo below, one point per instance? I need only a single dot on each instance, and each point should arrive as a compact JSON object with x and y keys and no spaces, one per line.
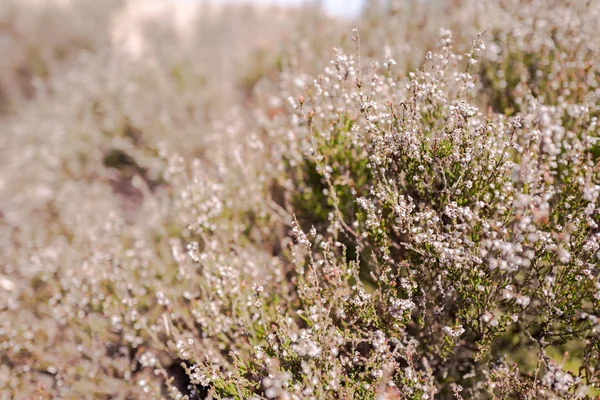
{"x":234,"y":201}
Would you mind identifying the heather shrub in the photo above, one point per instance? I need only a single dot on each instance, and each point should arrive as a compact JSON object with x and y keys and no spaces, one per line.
{"x":546,"y":52}
{"x":407,"y":210}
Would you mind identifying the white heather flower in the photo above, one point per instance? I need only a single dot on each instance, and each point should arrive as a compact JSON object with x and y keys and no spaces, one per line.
{"x":161,"y":299}
{"x":563,"y":255}
{"x":301,"y":237}
{"x":453,"y":332}
{"x":523,"y":301}
{"x":148,"y":359}
{"x":399,"y":307}
{"x":379,"y":342}
{"x":257,"y":288}
{"x":313,"y":349}
{"x":259,"y":352}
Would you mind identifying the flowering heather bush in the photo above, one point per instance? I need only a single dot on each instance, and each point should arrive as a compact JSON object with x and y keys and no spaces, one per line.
{"x":416,"y":218}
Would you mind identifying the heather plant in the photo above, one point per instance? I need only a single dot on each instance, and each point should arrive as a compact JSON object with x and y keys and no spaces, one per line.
{"x":446,"y":185}
{"x":547,"y":52}
{"x":416,"y":218}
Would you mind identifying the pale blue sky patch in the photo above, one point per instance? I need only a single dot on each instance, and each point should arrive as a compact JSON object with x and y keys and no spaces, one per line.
{"x":341,"y":7}
{"x":338,"y":7}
